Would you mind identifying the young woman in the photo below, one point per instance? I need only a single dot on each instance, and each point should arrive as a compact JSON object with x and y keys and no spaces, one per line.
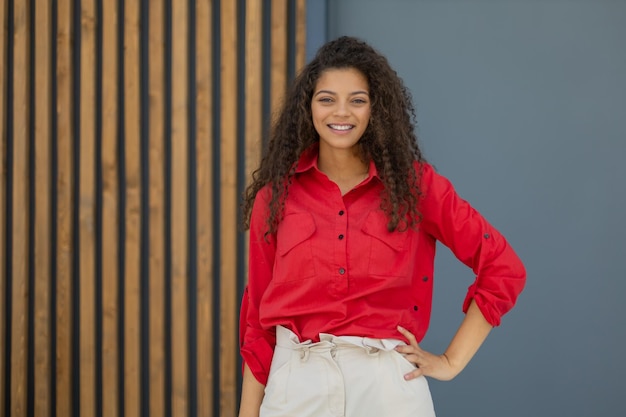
{"x":344,"y":214}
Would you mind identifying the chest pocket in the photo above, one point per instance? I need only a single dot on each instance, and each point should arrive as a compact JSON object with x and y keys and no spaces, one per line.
{"x":389,"y":252}
{"x":294,"y":260}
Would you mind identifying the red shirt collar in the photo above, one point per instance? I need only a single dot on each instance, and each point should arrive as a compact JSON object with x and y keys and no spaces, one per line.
{"x":308,"y":160}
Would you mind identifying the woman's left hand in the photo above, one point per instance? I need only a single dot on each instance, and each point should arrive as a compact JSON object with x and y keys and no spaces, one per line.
{"x":426,"y":363}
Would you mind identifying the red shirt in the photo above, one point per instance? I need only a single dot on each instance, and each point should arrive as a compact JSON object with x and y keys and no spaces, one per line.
{"x":333,"y":267}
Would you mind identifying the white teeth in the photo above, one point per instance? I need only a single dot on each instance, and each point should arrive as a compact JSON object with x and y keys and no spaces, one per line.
{"x":341,"y":127}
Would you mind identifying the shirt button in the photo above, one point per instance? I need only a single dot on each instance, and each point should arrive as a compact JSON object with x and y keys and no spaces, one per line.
{"x":341,"y":212}
{"x":425,"y":279}
{"x":340,"y":237}
{"x":486,"y":235}
{"x":342,"y":271}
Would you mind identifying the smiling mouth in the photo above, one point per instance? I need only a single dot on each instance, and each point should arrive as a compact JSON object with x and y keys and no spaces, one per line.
{"x":341,"y":127}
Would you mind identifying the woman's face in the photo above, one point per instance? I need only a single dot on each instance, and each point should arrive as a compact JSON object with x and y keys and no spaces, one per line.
{"x":341,"y":108}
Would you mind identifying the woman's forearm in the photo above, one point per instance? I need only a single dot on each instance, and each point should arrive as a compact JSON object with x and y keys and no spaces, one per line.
{"x":252,"y":392}
{"x":469,"y":337}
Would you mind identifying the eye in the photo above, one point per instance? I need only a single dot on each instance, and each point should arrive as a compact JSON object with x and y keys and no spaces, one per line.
{"x":359,"y":101}
{"x":325,"y":100}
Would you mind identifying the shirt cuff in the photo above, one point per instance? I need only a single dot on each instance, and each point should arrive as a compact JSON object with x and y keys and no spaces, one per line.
{"x":490,"y":314}
{"x":258,"y":356}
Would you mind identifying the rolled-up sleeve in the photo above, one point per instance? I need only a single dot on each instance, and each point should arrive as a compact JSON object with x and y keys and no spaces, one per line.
{"x":500,"y":274}
{"x":256,"y":343}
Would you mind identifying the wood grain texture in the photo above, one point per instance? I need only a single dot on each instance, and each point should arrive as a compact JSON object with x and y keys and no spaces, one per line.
{"x":3,"y":201}
{"x":132,"y":245}
{"x":179,"y":146}
{"x":205,"y":242}
{"x":86,"y":196}
{"x":254,"y":96}
{"x":21,"y":204}
{"x":157,"y":210}
{"x":42,"y":205}
{"x":228,"y":206}
{"x":110,"y":218}
{"x":64,"y":190}
{"x":300,"y":34}
{"x":254,"y":91}
{"x":278,"y":70}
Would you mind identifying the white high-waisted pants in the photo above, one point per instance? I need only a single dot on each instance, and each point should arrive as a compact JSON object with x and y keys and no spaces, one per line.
{"x":344,"y":376}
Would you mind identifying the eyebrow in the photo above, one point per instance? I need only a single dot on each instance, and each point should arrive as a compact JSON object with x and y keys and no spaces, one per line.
{"x":334,"y":94}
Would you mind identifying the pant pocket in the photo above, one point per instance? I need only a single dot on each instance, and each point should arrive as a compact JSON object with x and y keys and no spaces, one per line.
{"x":276,"y":388}
{"x":302,"y":387}
{"x":414,"y":393}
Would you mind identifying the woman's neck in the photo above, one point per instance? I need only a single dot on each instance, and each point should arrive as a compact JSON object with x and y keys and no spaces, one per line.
{"x":344,"y":168}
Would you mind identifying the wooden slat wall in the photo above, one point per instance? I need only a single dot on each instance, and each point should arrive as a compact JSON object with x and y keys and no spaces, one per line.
{"x":63,"y":252}
{"x":18,"y":202}
{"x":3,"y":182}
{"x":204,"y":227}
{"x":156,"y":392}
{"x":132,"y":210}
{"x":85,"y":204}
{"x":180,"y":208}
{"x":109,"y":210}
{"x":228,"y":201}
{"x":128,"y":130}
{"x":42,"y":233}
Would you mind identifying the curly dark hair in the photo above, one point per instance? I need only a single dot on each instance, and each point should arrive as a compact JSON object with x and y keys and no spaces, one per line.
{"x":389,"y":140}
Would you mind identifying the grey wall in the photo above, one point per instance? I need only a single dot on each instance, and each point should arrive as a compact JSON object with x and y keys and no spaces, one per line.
{"x":316,"y":26}
{"x":522,"y":104}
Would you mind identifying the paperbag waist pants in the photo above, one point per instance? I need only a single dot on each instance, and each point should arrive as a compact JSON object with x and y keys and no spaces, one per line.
{"x":342,"y":376}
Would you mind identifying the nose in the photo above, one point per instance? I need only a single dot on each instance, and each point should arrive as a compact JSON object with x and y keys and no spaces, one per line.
{"x":342,"y":108}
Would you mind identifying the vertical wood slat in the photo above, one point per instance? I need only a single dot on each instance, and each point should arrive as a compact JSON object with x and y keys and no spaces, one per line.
{"x":204,"y":288}
{"x":179,"y":219}
{"x":278,"y":73}
{"x":42,"y":225}
{"x":254,"y":81}
{"x":3,"y":201}
{"x":132,"y":276}
{"x":254,"y":100}
{"x":300,"y":57}
{"x":157,"y":210}
{"x":87,"y":208}
{"x":228,"y":210}
{"x":110,"y":220}
{"x":64,"y":191}
{"x":19,"y":234}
